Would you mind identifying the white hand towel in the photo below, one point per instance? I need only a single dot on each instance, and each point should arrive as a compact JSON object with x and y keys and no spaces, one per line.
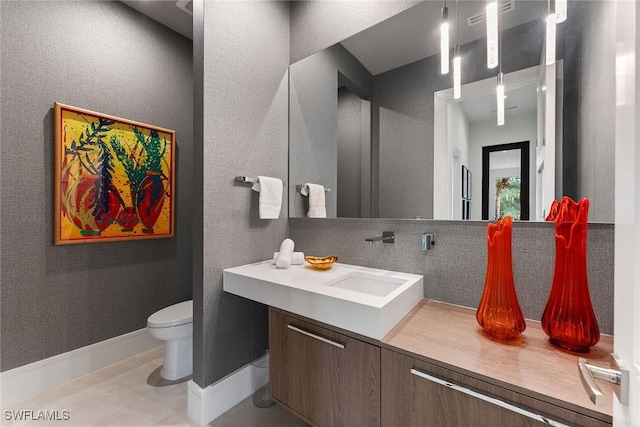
{"x":286,"y":253}
{"x":317,"y":208}
{"x":270,"y":201}
{"x":297,"y":258}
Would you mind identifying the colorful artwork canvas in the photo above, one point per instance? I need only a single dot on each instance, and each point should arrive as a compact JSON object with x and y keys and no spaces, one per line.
{"x":114,"y":178}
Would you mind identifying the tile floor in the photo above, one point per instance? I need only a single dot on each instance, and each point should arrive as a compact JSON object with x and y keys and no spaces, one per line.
{"x":132,"y":393}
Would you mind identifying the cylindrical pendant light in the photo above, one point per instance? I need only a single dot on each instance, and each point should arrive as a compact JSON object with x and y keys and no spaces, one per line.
{"x":492,"y":34}
{"x":444,"y":40}
{"x":551,"y":39}
{"x":500,"y":99}
{"x":456,"y":74}
{"x":500,"y":88}
{"x":561,"y":11}
{"x":456,"y":62}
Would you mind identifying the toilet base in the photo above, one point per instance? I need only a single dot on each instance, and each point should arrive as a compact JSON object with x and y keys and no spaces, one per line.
{"x":178,"y":359}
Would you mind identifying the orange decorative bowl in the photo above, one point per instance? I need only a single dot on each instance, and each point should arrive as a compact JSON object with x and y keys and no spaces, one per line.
{"x":321,"y":262}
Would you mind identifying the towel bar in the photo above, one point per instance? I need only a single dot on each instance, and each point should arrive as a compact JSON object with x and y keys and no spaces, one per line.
{"x":249,"y":180}
{"x":299,"y":187}
{"x":246,"y":179}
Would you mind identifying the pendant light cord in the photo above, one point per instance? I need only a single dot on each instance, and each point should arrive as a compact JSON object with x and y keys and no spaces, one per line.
{"x":457,"y":49}
{"x":500,"y":42}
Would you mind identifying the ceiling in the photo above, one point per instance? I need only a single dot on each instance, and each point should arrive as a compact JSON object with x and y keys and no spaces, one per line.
{"x":415,"y":33}
{"x":167,"y":13}
{"x":402,"y":39}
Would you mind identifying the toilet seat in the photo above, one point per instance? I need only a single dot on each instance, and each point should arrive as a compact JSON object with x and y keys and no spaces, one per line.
{"x":174,"y":315}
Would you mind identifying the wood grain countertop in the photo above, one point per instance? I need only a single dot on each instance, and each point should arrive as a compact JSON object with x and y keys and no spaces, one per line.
{"x":450,"y":336}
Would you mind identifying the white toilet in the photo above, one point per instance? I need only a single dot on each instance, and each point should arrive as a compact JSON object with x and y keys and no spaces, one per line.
{"x":174,"y":324}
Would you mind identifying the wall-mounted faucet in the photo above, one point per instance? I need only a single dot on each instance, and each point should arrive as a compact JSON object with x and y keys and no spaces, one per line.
{"x":428,"y":240}
{"x":387,"y":237}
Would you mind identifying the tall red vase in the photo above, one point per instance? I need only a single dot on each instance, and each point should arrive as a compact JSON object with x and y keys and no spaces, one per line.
{"x":499,"y":312}
{"x":568,"y":318}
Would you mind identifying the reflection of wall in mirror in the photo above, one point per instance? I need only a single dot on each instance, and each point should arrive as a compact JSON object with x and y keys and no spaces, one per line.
{"x":354,"y":151}
{"x":313,"y":121}
{"x":458,"y":133}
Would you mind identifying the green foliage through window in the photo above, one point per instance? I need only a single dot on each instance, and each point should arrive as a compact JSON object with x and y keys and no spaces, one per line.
{"x":508,"y":198}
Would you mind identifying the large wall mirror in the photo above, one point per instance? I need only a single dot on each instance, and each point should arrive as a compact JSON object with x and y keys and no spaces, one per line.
{"x":373,"y":119}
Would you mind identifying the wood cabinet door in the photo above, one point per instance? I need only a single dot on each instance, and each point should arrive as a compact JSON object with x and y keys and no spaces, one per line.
{"x":330,"y":379}
{"x":412,"y":395}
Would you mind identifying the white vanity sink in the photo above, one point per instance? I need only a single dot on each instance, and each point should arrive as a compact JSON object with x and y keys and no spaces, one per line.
{"x":364,"y":300}
{"x":368,"y":284}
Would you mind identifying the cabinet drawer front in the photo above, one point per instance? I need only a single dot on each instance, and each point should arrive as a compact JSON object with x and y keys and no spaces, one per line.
{"x":329,"y":379}
{"x":488,"y":399}
{"x":417,"y":393}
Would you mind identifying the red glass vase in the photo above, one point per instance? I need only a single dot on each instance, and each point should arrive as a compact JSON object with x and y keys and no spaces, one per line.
{"x":499,"y":312}
{"x":568,"y":318}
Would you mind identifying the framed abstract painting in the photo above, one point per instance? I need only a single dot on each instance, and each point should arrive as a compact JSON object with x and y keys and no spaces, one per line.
{"x":114,"y":178}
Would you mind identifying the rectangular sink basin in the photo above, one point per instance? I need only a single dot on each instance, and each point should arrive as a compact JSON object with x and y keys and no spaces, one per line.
{"x":363,"y":300}
{"x":369,"y":284}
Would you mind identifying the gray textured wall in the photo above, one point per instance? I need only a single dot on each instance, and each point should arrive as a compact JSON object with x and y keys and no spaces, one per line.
{"x":596,"y":109}
{"x":350,"y":143}
{"x":245,"y":111}
{"x":313,"y":121}
{"x":316,"y":25}
{"x":454,"y":271}
{"x":106,"y":57}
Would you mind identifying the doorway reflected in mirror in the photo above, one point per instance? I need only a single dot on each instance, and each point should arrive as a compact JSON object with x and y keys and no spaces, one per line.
{"x":506,"y":181}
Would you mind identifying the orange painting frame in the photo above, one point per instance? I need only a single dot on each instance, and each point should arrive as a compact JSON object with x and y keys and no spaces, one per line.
{"x":114,"y":179}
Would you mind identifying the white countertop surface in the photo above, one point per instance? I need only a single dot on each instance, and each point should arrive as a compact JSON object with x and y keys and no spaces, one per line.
{"x":306,"y":291}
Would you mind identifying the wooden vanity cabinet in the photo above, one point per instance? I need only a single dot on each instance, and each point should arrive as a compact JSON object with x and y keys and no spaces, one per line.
{"x":416,"y":393}
{"x":327,"y":378}
{"x":331,"y":378}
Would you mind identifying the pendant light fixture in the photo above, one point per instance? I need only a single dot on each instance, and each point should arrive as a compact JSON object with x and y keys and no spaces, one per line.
{"x":500,"y":87}
{"x":500,"y":99}
{"x":444,"y":40}
{"x":492,"y":33}
{"x":456,"y":61}
{"x":550,"y":53}
{"x":561,"y":11}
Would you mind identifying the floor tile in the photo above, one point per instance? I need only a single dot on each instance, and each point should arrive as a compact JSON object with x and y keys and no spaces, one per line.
{"x":177,"y":419}
{"x":132,"y":393}
{"x":247,"y":414}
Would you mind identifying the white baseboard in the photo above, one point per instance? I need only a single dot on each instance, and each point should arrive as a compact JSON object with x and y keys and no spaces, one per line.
{"x":35,"y":377}
{"x":206,"y":404}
